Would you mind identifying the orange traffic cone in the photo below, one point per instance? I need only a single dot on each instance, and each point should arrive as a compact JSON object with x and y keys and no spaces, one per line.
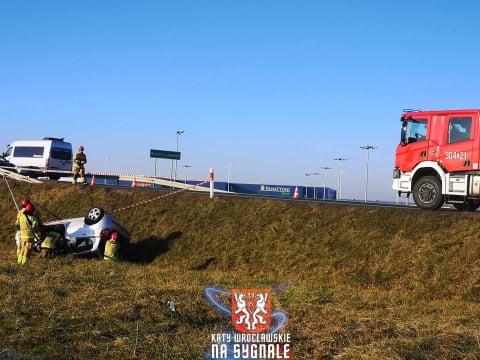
{"x":134,"y":183}
{"x":296,"y":195}
{"x":93,"y":182}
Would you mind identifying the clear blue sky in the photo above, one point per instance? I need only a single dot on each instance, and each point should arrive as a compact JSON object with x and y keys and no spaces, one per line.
{"x":275,"y":88}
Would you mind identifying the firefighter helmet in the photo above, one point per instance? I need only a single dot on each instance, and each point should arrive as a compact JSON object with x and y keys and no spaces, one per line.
{"x":114,"y":236}
{"x":29,"y":208}
{"x":25,"y":202}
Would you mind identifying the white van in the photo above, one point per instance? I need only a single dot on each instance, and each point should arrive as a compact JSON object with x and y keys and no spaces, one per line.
{"x":50,"y":157}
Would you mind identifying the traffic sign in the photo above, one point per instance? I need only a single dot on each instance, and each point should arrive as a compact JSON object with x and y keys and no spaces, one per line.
{"x":164,"y":154}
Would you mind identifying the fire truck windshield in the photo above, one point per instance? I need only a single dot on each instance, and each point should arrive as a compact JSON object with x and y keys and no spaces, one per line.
{"x":413,"y":130}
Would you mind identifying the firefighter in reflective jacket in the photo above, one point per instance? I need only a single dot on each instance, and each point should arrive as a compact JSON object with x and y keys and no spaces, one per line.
{"x":25,"y":201}
{"x":52,"y":243}
{"x":17,"y":223}
{"x":79,"y":161}
{"x":30,"y":228}
{"x":112,"y":248}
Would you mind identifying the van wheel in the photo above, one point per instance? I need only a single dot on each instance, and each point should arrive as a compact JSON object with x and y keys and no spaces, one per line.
{"x":94,"y":215}
{"x":427,"y":193}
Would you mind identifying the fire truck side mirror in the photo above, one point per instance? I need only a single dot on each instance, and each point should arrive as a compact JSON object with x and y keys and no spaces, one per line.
{"x":403,"y":135}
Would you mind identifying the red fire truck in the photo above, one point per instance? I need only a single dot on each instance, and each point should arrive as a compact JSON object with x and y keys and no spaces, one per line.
{"x":438,"y":158}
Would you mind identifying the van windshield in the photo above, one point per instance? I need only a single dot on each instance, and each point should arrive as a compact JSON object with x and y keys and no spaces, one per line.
{"x":61,"y":153}
{"x":8,"y":152}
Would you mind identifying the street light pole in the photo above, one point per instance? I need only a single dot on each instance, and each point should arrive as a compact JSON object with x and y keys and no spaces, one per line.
{"x":179,"y":132}
{"x":314,"y":189}
{"x":325,"y":179}
{"x":186,"y":171}
{"x":367,"y":148}
{"x":106,"y":162}
{"x":306,"y":187}
{"x":228,"y":176}
{"x":339,"y":189}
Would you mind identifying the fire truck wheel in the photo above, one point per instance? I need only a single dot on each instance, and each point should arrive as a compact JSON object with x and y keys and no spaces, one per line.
{"x":427,"y":193}
{"x":469,"y":205}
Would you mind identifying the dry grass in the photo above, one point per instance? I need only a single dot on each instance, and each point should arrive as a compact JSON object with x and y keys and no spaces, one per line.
{"x":364,"y":283}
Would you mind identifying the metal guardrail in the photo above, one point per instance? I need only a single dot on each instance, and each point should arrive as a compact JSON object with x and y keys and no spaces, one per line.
{"x":13,"y":175}
{"x":168,"y":183}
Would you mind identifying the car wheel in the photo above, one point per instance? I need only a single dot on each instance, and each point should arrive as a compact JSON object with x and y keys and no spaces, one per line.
{"x":94,"y":215}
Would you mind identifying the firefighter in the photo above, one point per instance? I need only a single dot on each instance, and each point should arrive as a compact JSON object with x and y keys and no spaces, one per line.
{"x":17,"y":223}
{"x":30,"y":231}
{"x":52,"y":243}
{"x":35,"y":211}
{"x":25,"y":201}
{"x":79,"y":161}
{"x":112,"y":248}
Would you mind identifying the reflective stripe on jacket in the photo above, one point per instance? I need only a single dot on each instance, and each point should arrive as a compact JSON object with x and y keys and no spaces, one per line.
{"x":51,"y":240}
{"x":29,"y":227}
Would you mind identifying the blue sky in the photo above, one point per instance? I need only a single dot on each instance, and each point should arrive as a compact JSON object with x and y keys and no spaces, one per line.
{"x":274,"y":88}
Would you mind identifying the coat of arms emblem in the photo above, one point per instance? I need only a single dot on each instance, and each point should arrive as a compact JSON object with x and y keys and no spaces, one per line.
{"x":251,"y":310}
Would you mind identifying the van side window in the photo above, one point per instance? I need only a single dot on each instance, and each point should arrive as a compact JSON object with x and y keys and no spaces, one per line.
{"x":459,"y":129}
{"x":61,"y":153}
{"x":28,"y":151}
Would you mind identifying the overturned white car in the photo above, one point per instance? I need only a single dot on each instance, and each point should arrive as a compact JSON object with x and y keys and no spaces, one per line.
{"x":87,"y":235}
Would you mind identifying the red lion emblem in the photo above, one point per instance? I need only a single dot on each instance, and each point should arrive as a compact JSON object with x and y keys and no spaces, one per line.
{"x":251,"y":310}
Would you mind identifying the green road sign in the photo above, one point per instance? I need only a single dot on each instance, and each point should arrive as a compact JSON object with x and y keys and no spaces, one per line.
{"x":164,"y":154}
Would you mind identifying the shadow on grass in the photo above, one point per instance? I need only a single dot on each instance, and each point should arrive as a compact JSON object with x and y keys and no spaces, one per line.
{"x":146,"y":250}
{"x":205,"y":265}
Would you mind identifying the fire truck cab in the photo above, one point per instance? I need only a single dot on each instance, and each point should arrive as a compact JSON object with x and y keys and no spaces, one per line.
{"x":438,"y":158}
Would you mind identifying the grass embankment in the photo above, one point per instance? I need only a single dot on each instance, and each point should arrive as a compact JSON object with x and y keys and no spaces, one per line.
{"x":363,"y":282}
